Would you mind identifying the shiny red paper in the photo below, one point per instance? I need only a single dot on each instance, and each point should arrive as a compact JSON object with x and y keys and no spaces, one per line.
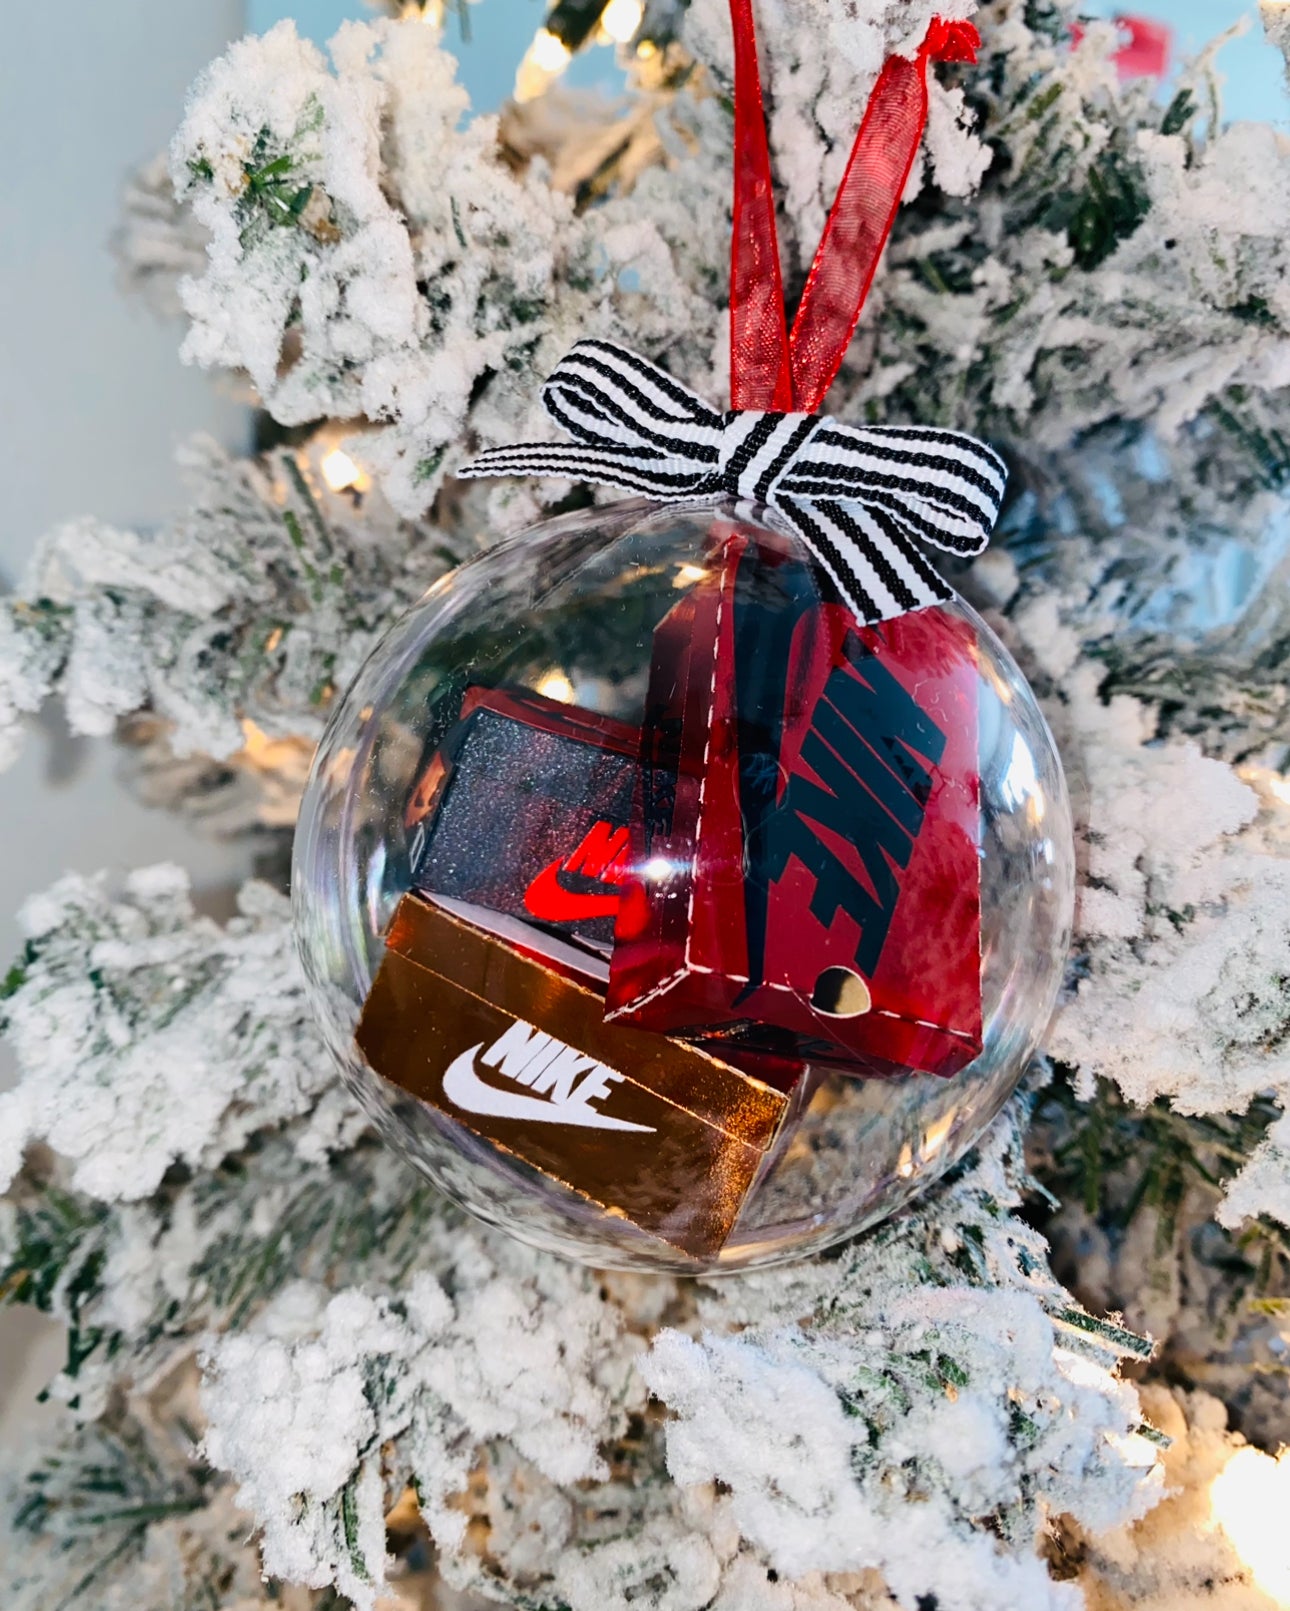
{"x":772,"y":367}
{"x":804,"y":874}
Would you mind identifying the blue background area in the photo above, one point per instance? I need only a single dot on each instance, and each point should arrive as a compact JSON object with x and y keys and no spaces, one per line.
{"x":1254,"y":85}
{"x":501,"y":30}
{"x":500,"y":33}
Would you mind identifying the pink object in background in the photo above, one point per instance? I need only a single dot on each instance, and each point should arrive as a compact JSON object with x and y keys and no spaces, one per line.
{"x":1145,"y":51}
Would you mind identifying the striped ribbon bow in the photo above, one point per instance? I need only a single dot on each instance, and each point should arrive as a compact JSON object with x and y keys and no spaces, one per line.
{"x":862,"y":498}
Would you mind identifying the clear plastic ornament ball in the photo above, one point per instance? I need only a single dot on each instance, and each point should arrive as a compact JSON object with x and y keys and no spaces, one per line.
{"x":665,"y":916}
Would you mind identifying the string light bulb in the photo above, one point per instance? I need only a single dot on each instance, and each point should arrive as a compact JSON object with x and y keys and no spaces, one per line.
{"x":1263,"y":778}
{"x":341,"y":473}
{"x":549,"y":53}
{"x":555,"y":685}
{"x":620,"y":20}
{"x":544,"y":61}
{"x":1250,"y":1499}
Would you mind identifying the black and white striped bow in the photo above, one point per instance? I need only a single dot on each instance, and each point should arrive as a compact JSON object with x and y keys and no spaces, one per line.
{"x":861,"y":497}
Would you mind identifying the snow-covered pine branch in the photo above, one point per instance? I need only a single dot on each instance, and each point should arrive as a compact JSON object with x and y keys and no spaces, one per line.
{"x":232,"y":624}
{"x":931,"y":1413}
{"x":373,"y":256}
{"x":937,"y":1357}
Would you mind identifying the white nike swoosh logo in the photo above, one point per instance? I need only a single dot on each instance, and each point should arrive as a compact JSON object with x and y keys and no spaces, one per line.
{"x":464,"y":1087}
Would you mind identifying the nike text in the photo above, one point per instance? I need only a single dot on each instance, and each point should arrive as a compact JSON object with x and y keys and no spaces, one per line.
{"x":564,"y":1082}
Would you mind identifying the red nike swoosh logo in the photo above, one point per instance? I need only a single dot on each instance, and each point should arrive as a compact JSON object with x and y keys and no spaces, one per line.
{"x":547,"y":899}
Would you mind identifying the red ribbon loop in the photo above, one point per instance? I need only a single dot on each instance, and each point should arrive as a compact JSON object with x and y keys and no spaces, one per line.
{"x":771,"y":368}
{"x":760,"y":376}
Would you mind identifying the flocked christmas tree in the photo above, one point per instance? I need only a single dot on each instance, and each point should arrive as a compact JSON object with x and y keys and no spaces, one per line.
{"x":294,"y":1373}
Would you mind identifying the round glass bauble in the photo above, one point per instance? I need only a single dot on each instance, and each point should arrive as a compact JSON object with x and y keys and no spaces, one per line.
{"x":600,"y":767}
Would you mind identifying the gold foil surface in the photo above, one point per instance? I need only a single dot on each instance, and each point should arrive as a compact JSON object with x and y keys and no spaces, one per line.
{"x":651,"y":1128}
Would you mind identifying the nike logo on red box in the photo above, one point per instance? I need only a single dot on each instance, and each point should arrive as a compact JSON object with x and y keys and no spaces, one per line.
{"x":602,"y":858}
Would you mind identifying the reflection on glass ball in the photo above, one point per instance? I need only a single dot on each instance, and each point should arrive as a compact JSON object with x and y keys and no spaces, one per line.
{"x":779,"y":905}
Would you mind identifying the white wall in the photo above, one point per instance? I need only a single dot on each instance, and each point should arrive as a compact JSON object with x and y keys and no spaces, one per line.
{"x":92,"y":401}
{"x":92,"y":395}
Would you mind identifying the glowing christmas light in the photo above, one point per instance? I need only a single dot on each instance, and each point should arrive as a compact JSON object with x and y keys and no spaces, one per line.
{"x":555,"y":685}
{"x":548,"y":52}
{"x":1250,"y":1500}
{"x":340,"y":472}
{"x":544,"y":61}
{"x":621,"y":18}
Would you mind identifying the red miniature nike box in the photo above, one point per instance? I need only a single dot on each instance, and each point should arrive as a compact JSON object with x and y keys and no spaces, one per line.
{"x":804,"y":874}
{"x":520,"y":826}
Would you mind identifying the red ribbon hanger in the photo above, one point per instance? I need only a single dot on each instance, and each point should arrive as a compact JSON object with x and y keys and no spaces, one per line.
{"x":771,"y":368}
